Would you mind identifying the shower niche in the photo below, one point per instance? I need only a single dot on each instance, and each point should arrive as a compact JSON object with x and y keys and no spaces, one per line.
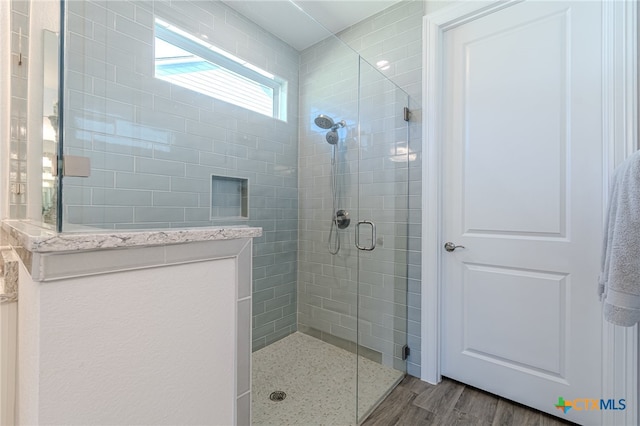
{"x":229,"y":198}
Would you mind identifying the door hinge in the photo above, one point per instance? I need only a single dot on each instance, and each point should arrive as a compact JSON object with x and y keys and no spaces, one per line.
{"x":406,"y":113}
{"x":405,"y":352}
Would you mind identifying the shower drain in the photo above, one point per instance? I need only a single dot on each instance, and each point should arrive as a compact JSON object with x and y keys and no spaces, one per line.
{"x":277,"y":396}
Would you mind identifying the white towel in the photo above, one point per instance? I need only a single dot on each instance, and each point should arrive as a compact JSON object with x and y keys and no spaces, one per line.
{"x":619,"y":285}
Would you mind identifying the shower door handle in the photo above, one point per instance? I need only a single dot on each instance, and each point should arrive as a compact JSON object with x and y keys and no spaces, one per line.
{"x":373,"y":235}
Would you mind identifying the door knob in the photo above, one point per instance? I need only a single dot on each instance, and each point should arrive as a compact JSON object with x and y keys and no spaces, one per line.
{"x":451,"y":246}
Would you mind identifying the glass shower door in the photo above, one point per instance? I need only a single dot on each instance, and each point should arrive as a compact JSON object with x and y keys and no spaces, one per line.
{"x":381,"y":236}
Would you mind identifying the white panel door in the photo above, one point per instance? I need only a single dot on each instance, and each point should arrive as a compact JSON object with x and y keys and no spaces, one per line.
{"x":523,"y":175}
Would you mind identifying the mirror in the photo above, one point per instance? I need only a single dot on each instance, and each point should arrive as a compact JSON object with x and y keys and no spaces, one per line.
{"x":50,"y":135}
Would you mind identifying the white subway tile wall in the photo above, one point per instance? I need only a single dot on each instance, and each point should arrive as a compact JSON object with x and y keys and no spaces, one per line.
{"x":390,"y":41}
{"x":394,"y":38}
{"x":327,"y":284}
{"x":154,"y":146}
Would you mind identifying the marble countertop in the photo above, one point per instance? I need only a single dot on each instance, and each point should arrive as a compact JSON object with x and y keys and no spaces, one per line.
{"x":39,"y":240}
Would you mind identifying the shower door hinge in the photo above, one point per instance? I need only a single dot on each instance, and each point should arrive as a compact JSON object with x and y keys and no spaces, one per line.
{"x":405,"y":352}
{"x":406,"y":114}
{"x":76,"y":166}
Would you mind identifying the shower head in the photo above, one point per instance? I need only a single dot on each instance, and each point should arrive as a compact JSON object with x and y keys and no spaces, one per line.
{"x":324,"y":122}
{"x":332,"y":137}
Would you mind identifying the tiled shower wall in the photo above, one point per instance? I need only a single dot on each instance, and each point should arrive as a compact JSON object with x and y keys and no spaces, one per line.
{"x":395,"y":36}
{"x":154,"y":146}
{"x":326,"y":283}
{"x":18,"y":106}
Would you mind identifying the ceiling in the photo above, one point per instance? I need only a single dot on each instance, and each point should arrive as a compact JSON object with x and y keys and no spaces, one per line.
{"x":285,"y":20}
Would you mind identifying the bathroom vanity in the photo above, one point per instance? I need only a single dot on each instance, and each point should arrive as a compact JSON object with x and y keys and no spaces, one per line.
{"x":144,"y":327}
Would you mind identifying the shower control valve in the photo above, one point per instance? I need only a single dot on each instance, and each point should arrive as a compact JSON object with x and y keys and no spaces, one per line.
{"x":342,"y":219}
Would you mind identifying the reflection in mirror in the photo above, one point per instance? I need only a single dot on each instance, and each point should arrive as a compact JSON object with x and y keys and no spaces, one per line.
{"x":50,"y":127}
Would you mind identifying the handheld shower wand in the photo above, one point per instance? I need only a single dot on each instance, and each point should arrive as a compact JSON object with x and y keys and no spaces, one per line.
{"x":339,"y":217}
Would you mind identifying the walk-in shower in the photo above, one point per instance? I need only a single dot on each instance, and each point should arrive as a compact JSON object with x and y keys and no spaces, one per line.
{"x":320,"y":143}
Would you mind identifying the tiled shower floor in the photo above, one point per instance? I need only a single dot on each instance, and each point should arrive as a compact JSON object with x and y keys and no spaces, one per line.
{"x":319,"y":380}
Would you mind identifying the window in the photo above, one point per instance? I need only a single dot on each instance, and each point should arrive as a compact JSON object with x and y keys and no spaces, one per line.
{"x":192,"y":63}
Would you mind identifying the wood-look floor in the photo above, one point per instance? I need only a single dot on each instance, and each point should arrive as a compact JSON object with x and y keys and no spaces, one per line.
{"x":415,"y":403}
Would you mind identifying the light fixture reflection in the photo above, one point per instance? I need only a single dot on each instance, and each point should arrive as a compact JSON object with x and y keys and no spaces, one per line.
{"x":48,"y":132}
{"x":400,"y":152}
{"x":383,"y":65}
